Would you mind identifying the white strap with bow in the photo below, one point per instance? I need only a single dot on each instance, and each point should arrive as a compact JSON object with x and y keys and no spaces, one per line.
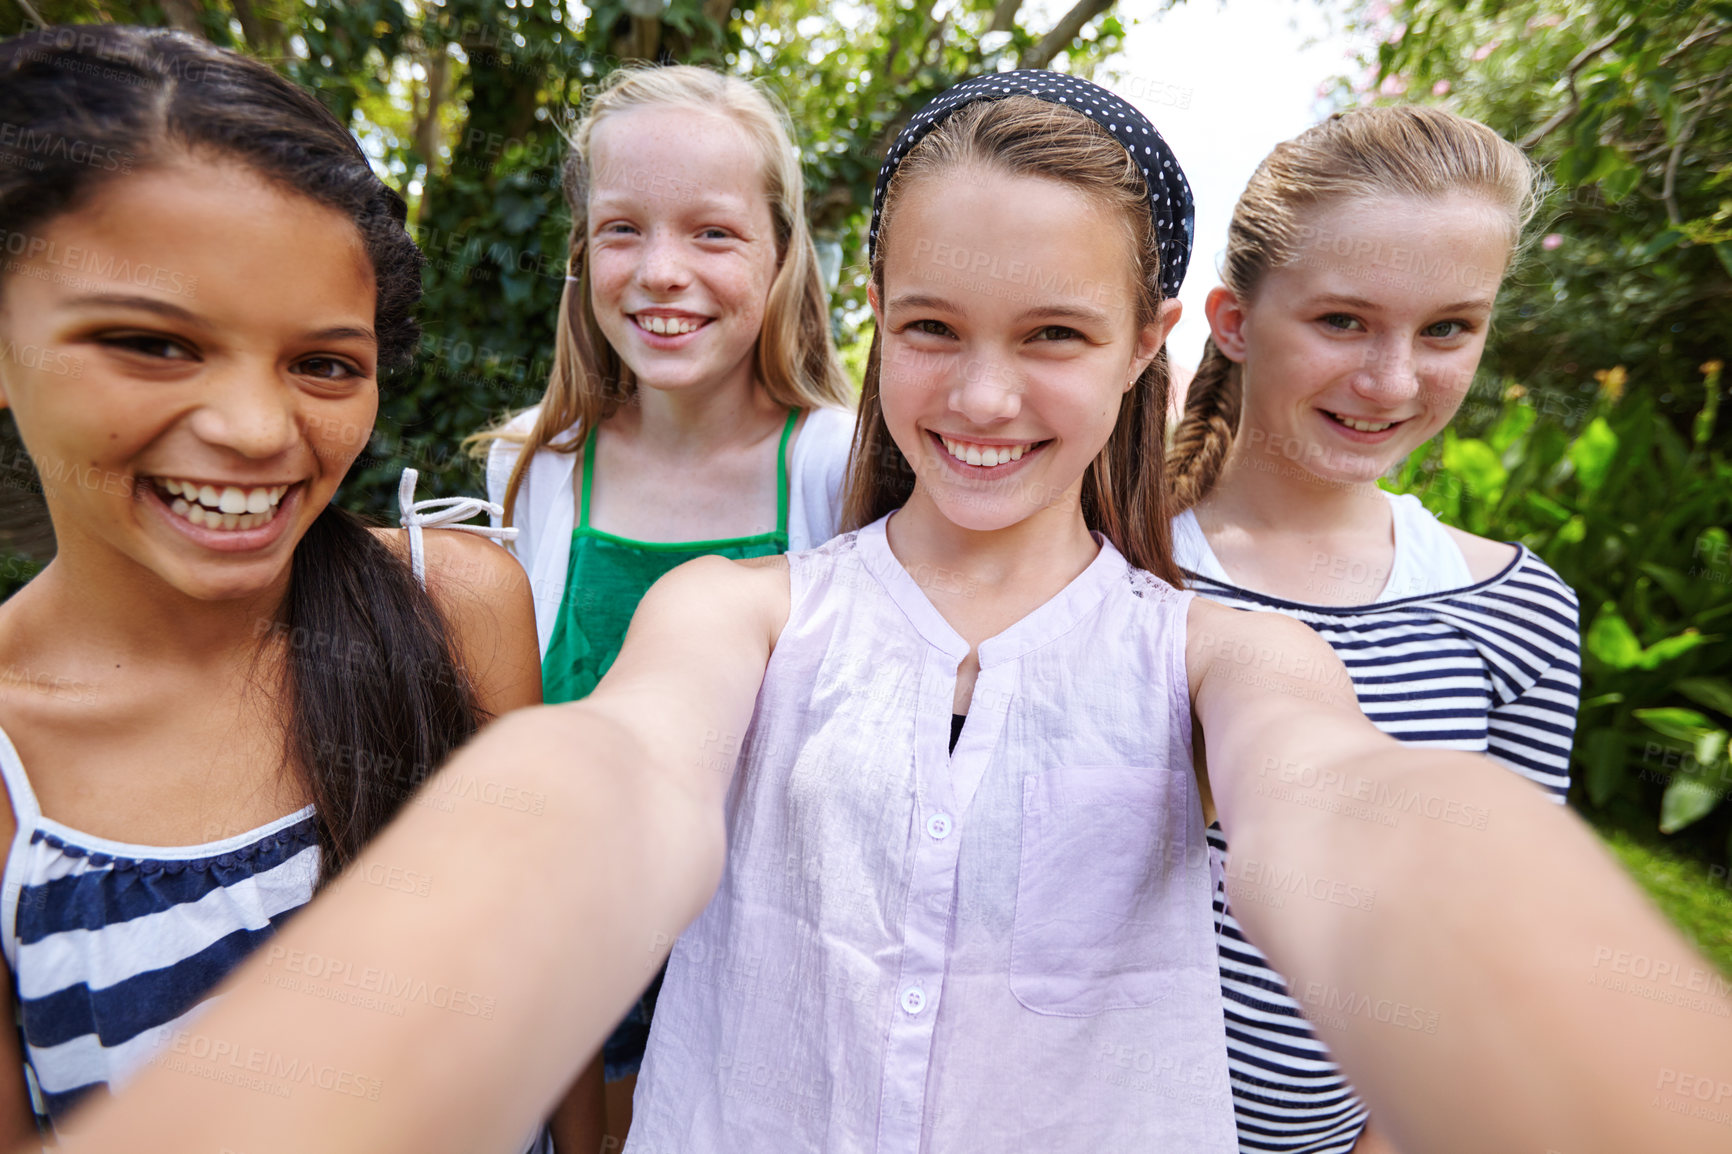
{"x":440,"y":513}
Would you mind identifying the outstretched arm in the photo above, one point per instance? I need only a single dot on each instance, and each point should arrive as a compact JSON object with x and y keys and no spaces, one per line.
{"x":1481,"y":969}
{"x":443,"y":994}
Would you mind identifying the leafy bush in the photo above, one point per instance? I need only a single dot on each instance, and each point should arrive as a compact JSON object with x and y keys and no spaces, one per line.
{"x":1634,"y":516}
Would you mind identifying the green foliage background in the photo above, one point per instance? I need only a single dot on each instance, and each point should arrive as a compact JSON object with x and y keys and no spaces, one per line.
{"x":1597,"y":432}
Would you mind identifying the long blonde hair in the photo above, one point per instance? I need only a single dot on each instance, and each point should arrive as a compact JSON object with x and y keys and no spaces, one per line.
{"x":1407,"y":150}
{"x":1124,"y":492}
{"x":795,"y":358}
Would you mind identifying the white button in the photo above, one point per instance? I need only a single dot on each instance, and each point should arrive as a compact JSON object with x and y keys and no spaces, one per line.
{"x":913,"y":999}
{"x":938,"y":825}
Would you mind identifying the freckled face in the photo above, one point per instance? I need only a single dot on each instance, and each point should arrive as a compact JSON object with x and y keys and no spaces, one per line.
{"x":681,"y":244}
{"x":203,"y":374}
{"x":1010,"y":336}
{"x":1362,"y":349}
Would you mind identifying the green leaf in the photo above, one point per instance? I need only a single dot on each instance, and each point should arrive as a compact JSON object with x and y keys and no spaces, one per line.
{"x":1611,"y":640}
{"x":1683,"y":724}
{"x":1714,"y":692}
{"x":1620,"y":183}
{"x":1664,"y":242}
{"x":1687,"y":801}
{"x":1665,"y":650}
{"x":1710,"y":746}
{"x":1593,"y":452}
{"x":1476,"y":465}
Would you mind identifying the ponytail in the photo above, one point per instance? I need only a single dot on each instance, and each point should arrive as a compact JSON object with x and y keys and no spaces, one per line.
{"x":377,"y":699}
{"x":1205,"y":433}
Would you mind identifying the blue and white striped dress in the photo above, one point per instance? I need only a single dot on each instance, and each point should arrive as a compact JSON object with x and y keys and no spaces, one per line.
{"x":1439,"y":660}
{"x":114,"y":948}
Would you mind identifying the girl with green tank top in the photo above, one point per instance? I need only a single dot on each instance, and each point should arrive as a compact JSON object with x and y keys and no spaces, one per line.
{"x":607,"y":575}
{"x":693,"y":288}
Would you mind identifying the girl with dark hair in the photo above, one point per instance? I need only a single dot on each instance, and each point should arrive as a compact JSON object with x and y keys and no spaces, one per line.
{"x":222,"y":686}
{"x":1362,"y":267}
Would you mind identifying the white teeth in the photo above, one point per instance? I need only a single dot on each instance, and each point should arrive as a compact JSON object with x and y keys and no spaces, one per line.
{"x":231,"y":508}
{"x":670,"y":326}
{"x":1363,"y":426}
{"x":986,"y":456}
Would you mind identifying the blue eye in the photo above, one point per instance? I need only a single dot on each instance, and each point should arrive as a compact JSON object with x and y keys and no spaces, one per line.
{"x":1452,"y":329}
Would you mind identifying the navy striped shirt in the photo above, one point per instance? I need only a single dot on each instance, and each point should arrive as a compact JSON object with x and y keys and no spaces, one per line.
{"x":114,"y":947}
{"x":1491,"y":668}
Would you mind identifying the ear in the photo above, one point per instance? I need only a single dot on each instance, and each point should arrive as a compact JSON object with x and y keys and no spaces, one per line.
{"x":1226,"y":313}
{"x":1151,"y":337}
{"x":872,"y":300}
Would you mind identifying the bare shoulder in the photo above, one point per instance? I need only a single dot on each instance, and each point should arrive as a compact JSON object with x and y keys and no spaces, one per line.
{"x":462,"y":567}
{"x":753,"y":588}
{"x":1260,"y":650}
{"x":1485,"y":558}
{"x":484,"y":596}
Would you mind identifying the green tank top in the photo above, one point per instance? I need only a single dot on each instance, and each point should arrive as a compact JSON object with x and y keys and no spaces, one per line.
{"x":608,"y":575}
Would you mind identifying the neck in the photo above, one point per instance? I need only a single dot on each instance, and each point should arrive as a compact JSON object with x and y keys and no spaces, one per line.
{"x":1261,"y":491}
{"x":91,"y":601}
{"x":1039,"y":555}
{"x":701,"y":418}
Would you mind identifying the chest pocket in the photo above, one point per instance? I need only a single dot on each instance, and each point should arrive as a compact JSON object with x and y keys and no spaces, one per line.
{"x":1111,"y":902}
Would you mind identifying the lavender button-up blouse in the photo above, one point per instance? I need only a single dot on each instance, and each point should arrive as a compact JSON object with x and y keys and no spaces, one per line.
{"x":1008,"y":949}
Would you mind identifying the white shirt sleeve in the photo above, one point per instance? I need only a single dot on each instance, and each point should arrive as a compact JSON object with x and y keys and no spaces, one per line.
{"x":818,"y":476}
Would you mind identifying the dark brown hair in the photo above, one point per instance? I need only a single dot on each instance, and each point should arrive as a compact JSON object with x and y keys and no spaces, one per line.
{"x":376,"y":696}
{"x":1124,"y":490}
{"x":1406,"y":150}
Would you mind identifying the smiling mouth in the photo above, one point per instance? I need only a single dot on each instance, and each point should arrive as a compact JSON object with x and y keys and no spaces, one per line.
{"x":1363,"y":426}
{"x":228,"y":508}
{"x":985,"y":456}
{"x":666,"y":326}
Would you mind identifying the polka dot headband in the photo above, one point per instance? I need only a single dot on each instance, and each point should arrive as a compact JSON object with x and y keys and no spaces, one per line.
{"x":1169,"y":193}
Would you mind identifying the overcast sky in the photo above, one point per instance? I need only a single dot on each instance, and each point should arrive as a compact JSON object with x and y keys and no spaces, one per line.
{"x":1225,"y":81}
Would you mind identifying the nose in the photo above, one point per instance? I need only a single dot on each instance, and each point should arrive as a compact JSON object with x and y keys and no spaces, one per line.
{"x":1388,"y":375}
{"x":663,"y":268}
{"x":986,"y":392}
{"x":249,"y":411}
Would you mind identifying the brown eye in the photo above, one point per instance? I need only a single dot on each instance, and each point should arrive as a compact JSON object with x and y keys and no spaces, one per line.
{"x":152,"y":345}
{"x":328,"y":369}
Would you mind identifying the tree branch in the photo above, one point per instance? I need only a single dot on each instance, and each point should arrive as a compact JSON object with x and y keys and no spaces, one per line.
{"x":1004,"y":16}
{"x":1054,"y":42}
{"x":1575,"y":101}
{"x":1695,"y":38}
{"x":1668,"y":187}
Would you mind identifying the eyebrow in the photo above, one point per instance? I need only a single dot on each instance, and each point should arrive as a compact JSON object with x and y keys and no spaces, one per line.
{"x":1372,"y":306}
{"x":175,"y":312}
{"x":1058,"y":311}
